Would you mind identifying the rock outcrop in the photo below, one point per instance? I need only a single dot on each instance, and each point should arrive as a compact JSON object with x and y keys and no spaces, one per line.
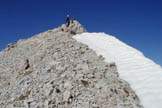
{"x":53,"y":70}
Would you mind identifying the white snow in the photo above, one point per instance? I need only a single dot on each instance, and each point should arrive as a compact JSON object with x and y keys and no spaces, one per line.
{"x":144,"y":76}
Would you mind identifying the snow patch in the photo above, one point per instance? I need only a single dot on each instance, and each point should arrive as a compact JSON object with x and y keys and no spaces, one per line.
{"x":144,"y":76}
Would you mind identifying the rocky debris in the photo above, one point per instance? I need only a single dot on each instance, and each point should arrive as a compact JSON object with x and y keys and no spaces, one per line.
{"x":112,"y":64}
{"x":74,"y":28}
{"x":10,"y":46}
{"x":27,"y":65}
{"x":52,"y":70}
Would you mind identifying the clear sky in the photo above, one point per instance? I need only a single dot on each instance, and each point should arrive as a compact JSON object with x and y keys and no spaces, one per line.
{"x":136,"y":22}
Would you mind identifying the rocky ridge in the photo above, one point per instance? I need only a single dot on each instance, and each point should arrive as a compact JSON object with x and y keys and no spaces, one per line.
{"x":53,"y":70}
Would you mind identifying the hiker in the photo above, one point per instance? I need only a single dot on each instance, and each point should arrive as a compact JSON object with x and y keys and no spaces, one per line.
{"x":72,"y":19}
{"x":67,"y":21}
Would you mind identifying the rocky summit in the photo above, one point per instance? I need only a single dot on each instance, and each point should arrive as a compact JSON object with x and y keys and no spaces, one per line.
{"x":53,"y":70}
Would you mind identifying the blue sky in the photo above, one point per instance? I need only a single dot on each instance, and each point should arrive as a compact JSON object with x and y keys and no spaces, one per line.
{"x":136,"y":22}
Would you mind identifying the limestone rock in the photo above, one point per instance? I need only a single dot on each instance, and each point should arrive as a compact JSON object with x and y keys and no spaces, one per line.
{"x":59,"y":72}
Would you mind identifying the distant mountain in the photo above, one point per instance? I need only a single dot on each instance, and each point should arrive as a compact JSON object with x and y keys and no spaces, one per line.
{"x":53,"y":70}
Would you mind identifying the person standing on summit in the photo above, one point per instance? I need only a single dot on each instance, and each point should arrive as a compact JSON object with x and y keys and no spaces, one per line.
{"x":67,"y":21}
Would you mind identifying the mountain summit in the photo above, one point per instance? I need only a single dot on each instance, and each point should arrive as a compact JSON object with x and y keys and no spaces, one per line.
{"x":53,"y":70}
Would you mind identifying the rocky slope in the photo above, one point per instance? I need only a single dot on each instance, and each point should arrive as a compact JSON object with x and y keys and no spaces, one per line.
{"x":53,"y":70}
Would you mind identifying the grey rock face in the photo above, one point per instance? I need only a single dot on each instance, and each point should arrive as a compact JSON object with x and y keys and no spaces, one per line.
{"x":52,"y":70}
